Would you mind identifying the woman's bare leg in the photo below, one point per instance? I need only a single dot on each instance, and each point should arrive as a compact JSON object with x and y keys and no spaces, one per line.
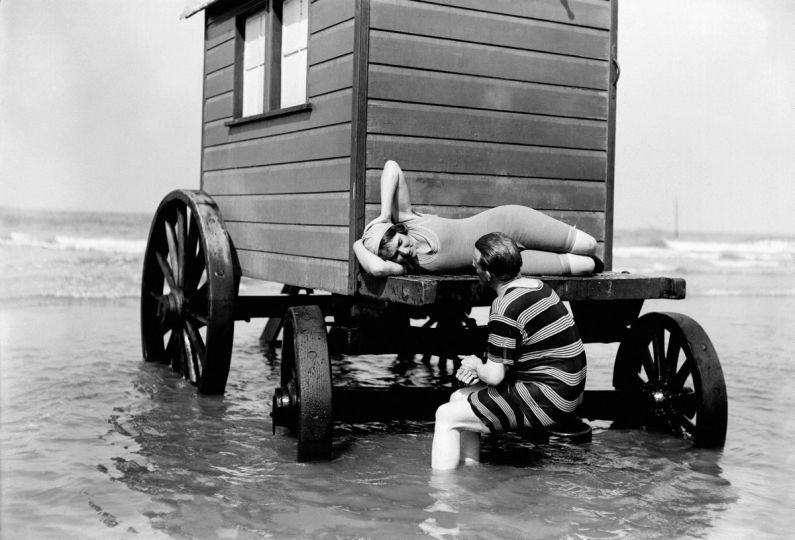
{"x":545,"y":263}
{"x":469,"y":440}
{"x":452,"y":419}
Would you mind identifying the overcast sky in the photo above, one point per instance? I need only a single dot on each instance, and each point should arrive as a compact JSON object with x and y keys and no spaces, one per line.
{"x":100,"y":109}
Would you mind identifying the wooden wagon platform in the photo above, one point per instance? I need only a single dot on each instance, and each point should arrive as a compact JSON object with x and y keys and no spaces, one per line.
{"x":421,"y":290}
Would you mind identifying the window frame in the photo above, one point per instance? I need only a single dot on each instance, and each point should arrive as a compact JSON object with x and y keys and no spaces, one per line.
{"x":272,"y":69}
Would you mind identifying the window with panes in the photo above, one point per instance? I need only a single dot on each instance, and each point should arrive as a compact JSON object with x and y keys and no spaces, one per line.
{"x":272,"y":57}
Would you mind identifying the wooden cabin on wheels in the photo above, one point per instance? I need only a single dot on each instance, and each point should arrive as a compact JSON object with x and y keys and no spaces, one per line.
{"x":482,"y":104}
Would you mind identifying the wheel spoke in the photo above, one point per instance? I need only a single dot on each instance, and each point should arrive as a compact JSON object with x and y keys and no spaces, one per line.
{"x":194,"y":273}
{"x":684,"y":423}
{"x":672,"y":356}
{"x":181,"y":234}
{"x":166,"y":269}
{"x":172,"y":244}
{"x":186,"y":361}
{"x":658,"y":344}
{"x":197,"y":320}
{"x":197,"y":347}
{"x":682,"y":375}
{"x":192,"y":241}
{"x":648,"y":365}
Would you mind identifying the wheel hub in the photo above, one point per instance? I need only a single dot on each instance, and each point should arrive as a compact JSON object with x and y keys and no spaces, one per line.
{"x":169,"y":306}
{"x":663,"y":401}
{"x":284,"y":406}
{"x":175,"y":301}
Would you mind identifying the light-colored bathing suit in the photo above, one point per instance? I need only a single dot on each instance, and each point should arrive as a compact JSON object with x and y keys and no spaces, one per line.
{"x":451,"y":241}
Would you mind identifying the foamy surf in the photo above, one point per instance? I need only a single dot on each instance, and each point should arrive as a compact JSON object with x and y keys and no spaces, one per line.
{"x":77,"y":243}
{"x":708,"y":256}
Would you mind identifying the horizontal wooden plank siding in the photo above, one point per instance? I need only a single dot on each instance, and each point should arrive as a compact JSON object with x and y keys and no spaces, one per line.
{"x":490,"y":191}
{"x":323,"y":143}
{"x":414,"y":119}
{"x":298,"y":209}
{"x":486,"y":61}
{"x":218,"y":107}
{"x":321,"y":274}
{"x":282,"y":182}
{"x":491,"y":103}
{"x":311,"y":177}
{"x":589,"y":13}
{"x":304,"y":240}
{"x":219,"y":82}
{"x":219,"y":57}
{"x":410,"y":85}
{"x":328,"y":13}
{"x":330,"y":76}
{"x":332,"y":43}
{"x":421,"y":154}
{"x":488,"y":28}
{"x":218,"y":33}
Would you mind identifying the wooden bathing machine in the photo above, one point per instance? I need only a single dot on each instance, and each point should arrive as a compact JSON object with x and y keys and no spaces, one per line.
{"x":482,"y":103}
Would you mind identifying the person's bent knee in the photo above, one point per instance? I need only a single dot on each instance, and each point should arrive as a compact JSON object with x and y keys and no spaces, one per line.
{"x":445,"y":415}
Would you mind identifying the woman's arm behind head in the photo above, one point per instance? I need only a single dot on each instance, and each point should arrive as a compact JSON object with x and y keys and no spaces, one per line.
{"x":375,"y":265}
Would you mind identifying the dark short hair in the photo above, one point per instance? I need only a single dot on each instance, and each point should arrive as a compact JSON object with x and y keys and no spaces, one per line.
{"x":499,"y":255}
{"x":391,"y":232}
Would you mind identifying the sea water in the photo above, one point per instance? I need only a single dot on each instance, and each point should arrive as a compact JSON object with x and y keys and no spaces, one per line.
{"x":95,"y":443}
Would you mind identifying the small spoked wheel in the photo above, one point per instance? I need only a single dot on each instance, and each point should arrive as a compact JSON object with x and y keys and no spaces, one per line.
{"x":303,"y":402}
{"x":670,"y":360}
{"x":188,"y":291}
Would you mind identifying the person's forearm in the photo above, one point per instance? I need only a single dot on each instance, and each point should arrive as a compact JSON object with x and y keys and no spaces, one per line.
{"x":390,"y":177}
{"x":491,"y":372}
{"x":375,"y":265}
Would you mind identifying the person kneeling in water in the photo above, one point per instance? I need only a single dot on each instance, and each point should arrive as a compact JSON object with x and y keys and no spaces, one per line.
{"x":534,"y":374}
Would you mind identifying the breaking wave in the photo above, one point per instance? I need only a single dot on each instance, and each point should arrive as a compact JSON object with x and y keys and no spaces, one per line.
{"x":695,"y":256}
{"x":77,"y":243}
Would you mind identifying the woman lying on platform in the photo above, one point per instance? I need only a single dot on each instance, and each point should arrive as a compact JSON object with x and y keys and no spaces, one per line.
{"x":401,"y":240}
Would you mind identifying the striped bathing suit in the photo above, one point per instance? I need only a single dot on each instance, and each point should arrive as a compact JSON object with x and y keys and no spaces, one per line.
{"x":534,"y":335}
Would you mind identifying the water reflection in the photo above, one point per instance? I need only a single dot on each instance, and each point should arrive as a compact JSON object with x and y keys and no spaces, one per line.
{"x":213,"y":469}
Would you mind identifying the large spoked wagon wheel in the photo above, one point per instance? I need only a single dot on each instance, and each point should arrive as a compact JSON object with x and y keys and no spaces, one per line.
{"x":303,"y":403}
{"x":670,"y":359}
{"x":188,"y":291}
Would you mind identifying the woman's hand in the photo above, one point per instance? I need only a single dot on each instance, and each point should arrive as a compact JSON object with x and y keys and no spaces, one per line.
{"x":466,"y":376}
{"x":379,"y":219}
{"x":471,"y":363}
{"x":468,"y":372}
{"x":375,"y":265}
